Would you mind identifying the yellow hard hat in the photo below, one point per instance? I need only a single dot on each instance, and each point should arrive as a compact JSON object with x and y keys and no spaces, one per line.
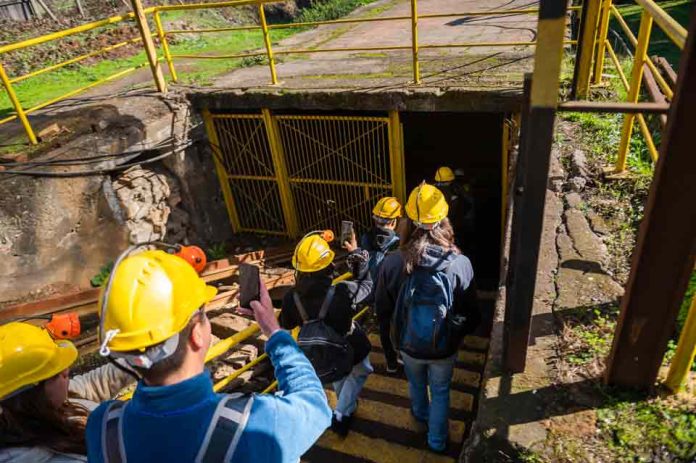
{"x":312,"y":254}
{"x":150,"y":297}
{"x":426,"y":206}
{"x":444,"y":174}
{"x":387,"y":208}
{"x":28,"y":355}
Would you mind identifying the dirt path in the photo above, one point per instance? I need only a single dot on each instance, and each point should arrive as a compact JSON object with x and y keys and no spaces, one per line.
{"x":485,"y":67}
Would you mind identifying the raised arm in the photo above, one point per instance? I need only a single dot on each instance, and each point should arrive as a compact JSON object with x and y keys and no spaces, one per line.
{"x":100,"y":384}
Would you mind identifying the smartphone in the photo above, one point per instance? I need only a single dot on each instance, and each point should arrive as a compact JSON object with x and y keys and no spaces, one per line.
{"x":248,"y":284}
{"x":346,"y":231}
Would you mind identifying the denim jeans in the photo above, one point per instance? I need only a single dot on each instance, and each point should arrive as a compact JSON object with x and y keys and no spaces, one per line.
{"x":348,"y":388}
{"x":436,"y":374}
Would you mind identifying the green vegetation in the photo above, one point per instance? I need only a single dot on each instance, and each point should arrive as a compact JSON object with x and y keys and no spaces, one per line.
{"x":217,"y":251}
{"x":639,"y":430}
{"x":103,"y":275}
{"x":660,"y":44}
{"x":330,"y":9}
{"x":591,"y":335}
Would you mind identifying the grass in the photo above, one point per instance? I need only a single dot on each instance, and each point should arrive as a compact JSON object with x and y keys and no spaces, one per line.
{"x":660,"y":44}
{"x":639,"y":430}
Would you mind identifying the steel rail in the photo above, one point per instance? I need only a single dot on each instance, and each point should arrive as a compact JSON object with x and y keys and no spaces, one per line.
{"x":203,"y":6}
{"x":67,"y":32}
{"x":77,"y":59}
{"x":641,"y":119}
{"x":664,"y":86}
{"x":675,"y":31}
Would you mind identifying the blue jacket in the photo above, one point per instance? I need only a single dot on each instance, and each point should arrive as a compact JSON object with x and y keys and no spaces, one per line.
{"x":456,"y":266}
{"x":168,"y":423}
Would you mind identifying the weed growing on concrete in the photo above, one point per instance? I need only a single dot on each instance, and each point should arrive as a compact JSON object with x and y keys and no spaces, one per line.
{"x":217,"y":251}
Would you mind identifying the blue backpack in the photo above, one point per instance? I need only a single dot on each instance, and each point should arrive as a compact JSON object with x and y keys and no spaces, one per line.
{"x":420,"y":325}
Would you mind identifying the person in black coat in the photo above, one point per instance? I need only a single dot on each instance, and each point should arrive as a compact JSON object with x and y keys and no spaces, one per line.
{"x":313,"y":260}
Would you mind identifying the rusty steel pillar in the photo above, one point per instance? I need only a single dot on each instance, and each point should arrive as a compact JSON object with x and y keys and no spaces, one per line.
{"x":530,"y":191}
{"x":666,"y":249}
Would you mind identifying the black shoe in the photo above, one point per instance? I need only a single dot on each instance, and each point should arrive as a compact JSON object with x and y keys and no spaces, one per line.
{"x":341,"y":427}
{"x":440,"y":452}
{"x":392,"y":366}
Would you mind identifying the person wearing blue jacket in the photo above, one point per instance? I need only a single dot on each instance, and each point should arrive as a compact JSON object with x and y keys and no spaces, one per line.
{"x":428,"y":288}
{"x":175,"y":416}
{"x":379,"y":241}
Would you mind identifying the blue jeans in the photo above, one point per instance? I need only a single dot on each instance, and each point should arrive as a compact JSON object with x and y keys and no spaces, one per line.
{"x":437,"y":374}
{"x":348,"y":388}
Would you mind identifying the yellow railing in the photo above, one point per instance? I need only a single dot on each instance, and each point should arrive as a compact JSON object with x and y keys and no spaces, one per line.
{"x":8,"y":82}
{"x":139,"y":16}
{"x":651,"y":14}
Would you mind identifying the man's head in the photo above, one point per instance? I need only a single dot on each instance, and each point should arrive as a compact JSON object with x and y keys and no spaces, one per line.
{"x":151,"y":316}
{"x":386,"y":213}
{"x":312,"y":254}
{"x":444,"y":176}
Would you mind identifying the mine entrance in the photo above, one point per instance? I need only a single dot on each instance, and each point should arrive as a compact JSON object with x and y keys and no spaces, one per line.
{"x":471,"y":143}
{"x":290,"y":172}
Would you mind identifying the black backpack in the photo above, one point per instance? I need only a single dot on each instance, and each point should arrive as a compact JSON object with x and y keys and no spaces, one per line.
{"x":330,"y":353}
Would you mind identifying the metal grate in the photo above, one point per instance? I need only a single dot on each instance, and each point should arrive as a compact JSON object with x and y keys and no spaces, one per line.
{"x":337,"y":167}
{"x":246,"y":157}
{"x":293,"y":174}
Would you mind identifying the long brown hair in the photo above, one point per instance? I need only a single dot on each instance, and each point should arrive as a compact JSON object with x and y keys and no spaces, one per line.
{"x":414,"y":241}
{"x":30,"y":420}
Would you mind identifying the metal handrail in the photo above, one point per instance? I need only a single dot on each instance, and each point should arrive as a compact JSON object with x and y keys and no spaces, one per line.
{"x":650,"y":13}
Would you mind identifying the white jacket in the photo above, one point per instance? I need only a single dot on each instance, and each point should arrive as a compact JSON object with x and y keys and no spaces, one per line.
{"x":87,"y":390}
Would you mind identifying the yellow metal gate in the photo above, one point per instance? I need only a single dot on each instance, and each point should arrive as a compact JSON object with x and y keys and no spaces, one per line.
{"x":288,"y":175}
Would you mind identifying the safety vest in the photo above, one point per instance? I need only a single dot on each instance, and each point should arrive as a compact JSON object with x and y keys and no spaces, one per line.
{"x":220,"y":441}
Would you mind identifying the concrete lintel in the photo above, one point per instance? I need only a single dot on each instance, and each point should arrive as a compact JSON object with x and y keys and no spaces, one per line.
{"x":417,"y":100}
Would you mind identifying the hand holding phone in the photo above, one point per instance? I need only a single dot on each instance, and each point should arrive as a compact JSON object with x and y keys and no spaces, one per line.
{"x":262,"y":311}
{"x":348,"y":236}
{"x":248,"y":284}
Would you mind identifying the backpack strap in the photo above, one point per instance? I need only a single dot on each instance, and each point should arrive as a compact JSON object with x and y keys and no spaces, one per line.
{"x":324,"y":305}
{"x":300,"y":308}
{"x":113,"y":449}
{"x":225,"y":429}
{"x":327,"y":302}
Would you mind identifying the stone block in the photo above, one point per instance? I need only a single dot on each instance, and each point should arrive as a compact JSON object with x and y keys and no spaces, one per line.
{"x":228,"y":324}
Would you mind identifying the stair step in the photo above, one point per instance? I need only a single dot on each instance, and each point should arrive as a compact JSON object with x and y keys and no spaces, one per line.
{"x":397,"y":386}
{"x":398,"y":417}
{"x":460,"y":376}
{"x":378,"y":450}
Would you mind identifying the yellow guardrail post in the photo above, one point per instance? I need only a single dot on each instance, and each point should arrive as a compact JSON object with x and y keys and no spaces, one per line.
{"x":602,"y":41}
{"x":685,"y":353}
{"x":414,"y":41}
{"x":586,"y":48}
{"x":150,"y":51}
{"x":641,"y":51}
{"x":286,"y":200}
{"x":267,"y":43}
{"x":17,"y":106}
{"x":396,"y":157}
{"x":165,"y":45}
{"x":221,"y":171}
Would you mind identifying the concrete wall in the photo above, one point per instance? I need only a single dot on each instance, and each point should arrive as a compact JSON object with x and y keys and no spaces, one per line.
{"x":56,"y":233}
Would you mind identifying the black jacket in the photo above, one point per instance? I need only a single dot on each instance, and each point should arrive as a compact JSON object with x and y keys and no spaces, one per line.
{"x":347,"y":301}
{"x":459,"y":271}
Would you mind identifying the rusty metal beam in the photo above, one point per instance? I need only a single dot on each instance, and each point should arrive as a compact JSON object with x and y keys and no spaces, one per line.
{"x":85,"y":302}
{"x":666,"y":248}
{"x":528,"y":215}
{"x":613,"y":107}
